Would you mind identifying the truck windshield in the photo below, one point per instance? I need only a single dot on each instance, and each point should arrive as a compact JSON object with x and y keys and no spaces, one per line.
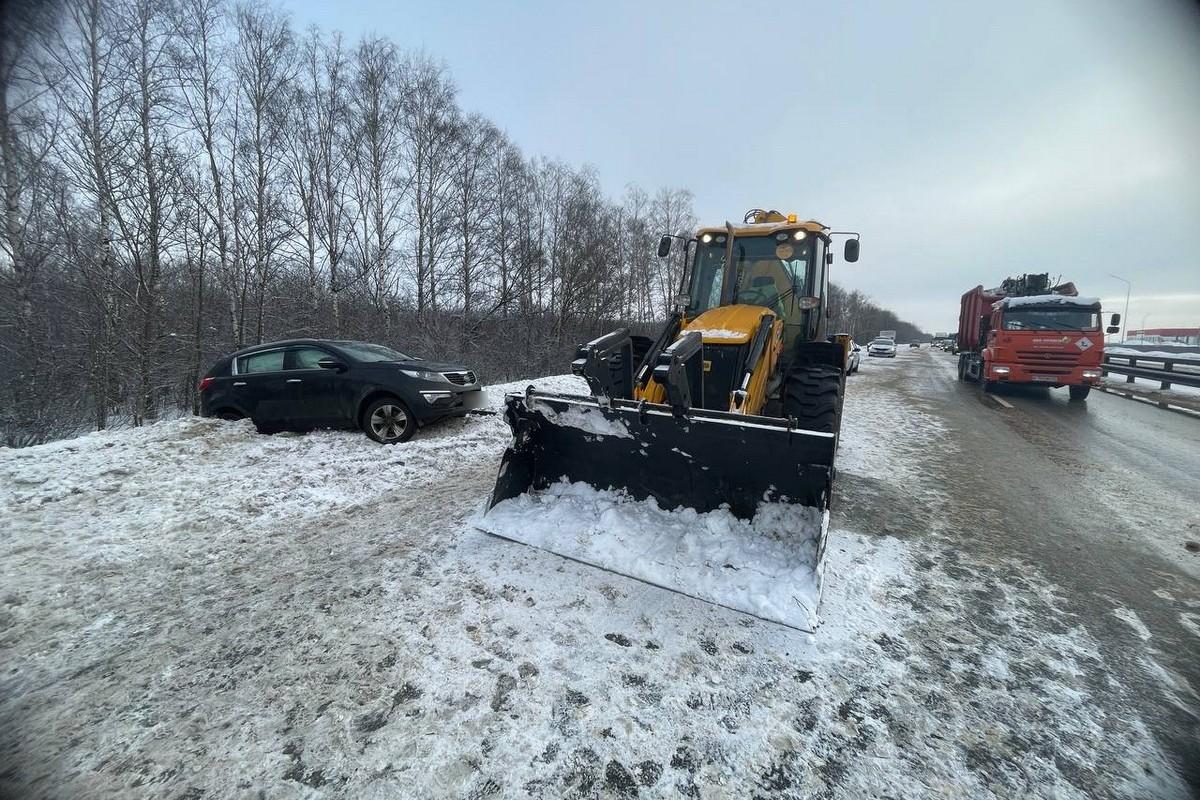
{"x":770,"y":273}
{"x":1057,"y":318}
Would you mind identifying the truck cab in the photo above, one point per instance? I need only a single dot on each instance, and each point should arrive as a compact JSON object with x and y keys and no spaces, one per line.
{"x":1051,"y":340}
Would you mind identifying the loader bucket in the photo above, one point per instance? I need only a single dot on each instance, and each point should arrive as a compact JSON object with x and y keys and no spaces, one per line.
{"x":735,"y":511}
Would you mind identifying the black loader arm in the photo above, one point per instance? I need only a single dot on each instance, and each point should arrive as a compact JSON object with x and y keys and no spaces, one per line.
{"x":607,"y":364}
{"x":680,"y":370}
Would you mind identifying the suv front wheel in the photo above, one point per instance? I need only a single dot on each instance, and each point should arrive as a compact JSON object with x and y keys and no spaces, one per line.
{"x":389,"y":421}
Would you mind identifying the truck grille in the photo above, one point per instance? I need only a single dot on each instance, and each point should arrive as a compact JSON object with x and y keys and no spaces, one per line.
{"x":460,"y":378}
{"x":1047,"y":359}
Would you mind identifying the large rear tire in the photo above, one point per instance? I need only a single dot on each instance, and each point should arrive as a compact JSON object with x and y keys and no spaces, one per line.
{"x":812,"y":395}
{"x":1079,"y":392}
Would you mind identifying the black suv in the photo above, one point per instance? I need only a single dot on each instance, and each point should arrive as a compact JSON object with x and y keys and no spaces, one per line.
{"x":303,"y":384}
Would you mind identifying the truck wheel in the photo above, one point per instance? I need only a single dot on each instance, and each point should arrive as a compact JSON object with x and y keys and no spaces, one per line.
{"x":813,"y":396}
{"x":1079,"y":392}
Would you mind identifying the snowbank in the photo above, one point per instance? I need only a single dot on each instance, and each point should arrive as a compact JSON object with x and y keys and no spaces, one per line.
{"x":1152,"y":354}
{"x":767,"y":566}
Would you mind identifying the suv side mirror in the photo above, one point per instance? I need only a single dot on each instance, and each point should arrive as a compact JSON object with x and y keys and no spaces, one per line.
{"x":851,"y":251}
{"x":664,"y":247}
{"x":331,"y":363}
{"x":1115,"y":320}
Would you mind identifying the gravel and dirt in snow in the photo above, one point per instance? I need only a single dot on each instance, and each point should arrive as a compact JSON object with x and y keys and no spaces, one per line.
{"x":193,"y":610}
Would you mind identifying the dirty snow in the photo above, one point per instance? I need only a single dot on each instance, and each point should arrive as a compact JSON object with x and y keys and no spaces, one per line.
{"x":1130,"y":618}
{"x":1151,"y":388}
{"x":190,"y":609}
{"x":766,"y":566}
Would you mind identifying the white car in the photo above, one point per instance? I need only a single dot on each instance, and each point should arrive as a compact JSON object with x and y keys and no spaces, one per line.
{"x":852,"y":360}
{"x":884,"y":348}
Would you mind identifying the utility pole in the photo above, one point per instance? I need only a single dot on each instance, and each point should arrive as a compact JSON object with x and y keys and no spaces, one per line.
{"x":1125,"y":317}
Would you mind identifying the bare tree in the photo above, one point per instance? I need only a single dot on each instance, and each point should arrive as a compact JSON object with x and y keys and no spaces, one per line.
{"x":379,"y":183}
{"x":264,"y":71}
{"x":90,"y":85}
{"x":430,"y":118}
{"x":204,"y":100}
{"x":325,"y":89}
{"x":25,"y":137}
{"x":145,"y":180}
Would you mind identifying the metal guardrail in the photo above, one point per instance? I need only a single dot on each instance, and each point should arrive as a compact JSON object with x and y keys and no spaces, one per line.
{"x":1133,"y":367}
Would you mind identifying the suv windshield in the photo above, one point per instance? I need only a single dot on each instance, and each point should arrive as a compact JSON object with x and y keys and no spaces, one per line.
{"x":1057,"y":318}
{"x":363,"y":351}
{"x":888,"y":342}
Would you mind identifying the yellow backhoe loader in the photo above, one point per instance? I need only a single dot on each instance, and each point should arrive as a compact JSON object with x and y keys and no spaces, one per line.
{"x":736,"y":404}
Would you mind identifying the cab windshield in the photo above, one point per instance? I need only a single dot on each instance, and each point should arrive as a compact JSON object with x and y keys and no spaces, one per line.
{"x":1057,"y":318}
{"x":771,"y":272}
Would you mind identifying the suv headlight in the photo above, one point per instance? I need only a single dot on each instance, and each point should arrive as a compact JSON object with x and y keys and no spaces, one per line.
{"x":425,"y":375}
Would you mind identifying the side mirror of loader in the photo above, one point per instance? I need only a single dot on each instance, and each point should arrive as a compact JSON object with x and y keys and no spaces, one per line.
{"x":1113,"y":329}
{"x":851,"y":251}
{"x":1115,"y":320}
{"x":664,"y":247}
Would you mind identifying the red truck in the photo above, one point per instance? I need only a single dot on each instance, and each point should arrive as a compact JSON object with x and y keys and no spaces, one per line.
{"x":1027,"y":331}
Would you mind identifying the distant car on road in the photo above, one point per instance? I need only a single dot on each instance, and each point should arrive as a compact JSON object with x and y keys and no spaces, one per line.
{"x":884,"y":348}
{"x":302,"y":384}
{"x":914,"y":344}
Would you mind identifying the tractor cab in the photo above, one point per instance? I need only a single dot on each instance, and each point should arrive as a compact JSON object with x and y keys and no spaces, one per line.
{"x":777,"y":265}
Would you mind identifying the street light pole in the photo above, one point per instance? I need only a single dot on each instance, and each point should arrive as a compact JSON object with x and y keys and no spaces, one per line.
{"x":1125,"y":318}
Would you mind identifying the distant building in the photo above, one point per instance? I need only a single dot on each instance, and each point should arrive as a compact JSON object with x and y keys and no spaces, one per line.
{"x":1165,"y":335}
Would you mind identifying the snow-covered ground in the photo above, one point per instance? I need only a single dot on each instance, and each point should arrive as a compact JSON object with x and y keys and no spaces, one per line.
{"x":190,"y":609}
{"x":1164,"y":351}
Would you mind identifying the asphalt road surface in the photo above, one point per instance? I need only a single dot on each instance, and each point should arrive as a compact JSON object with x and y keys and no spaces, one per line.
{"x":1101,"y":496}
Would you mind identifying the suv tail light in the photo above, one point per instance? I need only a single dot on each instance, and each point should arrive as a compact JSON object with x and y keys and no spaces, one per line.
{"x":205,"y":383}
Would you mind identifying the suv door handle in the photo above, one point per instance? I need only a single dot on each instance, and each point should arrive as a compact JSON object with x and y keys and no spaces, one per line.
{"x":239,"y":383}
{"x":294,"y":380}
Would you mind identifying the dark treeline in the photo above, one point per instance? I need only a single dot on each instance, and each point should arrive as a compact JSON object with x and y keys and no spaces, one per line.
{"x":853,"y":312}
{"x":183,"y":178}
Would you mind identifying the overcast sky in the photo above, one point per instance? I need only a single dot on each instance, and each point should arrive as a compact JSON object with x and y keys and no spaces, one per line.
{"x":968,"y":142}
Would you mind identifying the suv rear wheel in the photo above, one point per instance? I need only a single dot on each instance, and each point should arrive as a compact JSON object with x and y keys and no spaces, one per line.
{"x":389,"y":421}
